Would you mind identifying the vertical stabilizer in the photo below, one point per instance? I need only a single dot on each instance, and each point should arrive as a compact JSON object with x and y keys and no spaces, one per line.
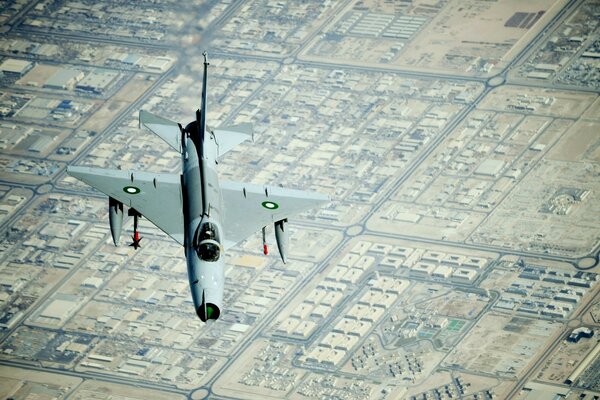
{"x":201,"y":124}
{"x":201,"y":114}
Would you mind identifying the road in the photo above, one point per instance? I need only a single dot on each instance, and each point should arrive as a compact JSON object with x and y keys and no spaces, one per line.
{"x":388,"y":191}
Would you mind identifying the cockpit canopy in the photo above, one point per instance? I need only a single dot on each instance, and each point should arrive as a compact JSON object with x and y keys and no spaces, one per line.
{"x":207,"y":242}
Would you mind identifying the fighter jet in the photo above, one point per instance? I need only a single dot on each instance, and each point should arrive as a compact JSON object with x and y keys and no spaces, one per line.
{"x":205,"y":216}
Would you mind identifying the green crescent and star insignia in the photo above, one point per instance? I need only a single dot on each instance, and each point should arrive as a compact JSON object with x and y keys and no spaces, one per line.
{"x":269,"y":205}
{"x":131,"y":190}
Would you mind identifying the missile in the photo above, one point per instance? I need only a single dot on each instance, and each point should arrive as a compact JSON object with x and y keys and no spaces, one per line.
{"x":115,"y":217}
{"x":264,"y":237}
{"x":283,"y":238}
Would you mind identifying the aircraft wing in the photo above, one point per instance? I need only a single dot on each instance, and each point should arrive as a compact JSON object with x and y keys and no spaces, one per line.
{"x":156,"y":196}
{"x":249,"y":207}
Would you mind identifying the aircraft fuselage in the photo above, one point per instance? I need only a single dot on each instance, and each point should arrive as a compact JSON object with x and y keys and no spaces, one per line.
{"x":202,"y":204}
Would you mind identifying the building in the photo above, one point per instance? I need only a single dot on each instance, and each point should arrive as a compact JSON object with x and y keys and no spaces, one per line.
{"x":159,"y":64}
{"x":442,"y":271}
{"x":97,"y":82}
{"x":64,"y":79}
{"x":579,"y":333}
{"x":15,"y":67}
{"x":92,"y":282}
{"x":490,"y":168}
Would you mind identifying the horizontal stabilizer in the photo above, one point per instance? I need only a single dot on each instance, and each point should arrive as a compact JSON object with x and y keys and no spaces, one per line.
{"x":168,"y":130}
{"x":230,"y":136}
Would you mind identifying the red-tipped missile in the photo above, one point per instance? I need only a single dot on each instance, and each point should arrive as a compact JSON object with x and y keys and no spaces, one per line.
{"x":136,"y":241}
{"x":264,"y":238}
{"x":136,"y":235}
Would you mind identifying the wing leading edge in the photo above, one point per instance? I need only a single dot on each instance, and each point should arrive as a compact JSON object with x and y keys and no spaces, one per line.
{"x":249,"y":207}
{"x":156,"y":196}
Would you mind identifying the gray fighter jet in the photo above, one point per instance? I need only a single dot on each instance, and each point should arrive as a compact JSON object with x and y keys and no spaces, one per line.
{"x":202,"y":214}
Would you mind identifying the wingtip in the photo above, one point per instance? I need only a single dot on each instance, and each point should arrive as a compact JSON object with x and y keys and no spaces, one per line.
{"x":73,"y":170}
{"x":70,"y":170}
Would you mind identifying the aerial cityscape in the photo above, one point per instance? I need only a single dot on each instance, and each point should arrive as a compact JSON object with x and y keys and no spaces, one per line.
{"x":458,"y":141}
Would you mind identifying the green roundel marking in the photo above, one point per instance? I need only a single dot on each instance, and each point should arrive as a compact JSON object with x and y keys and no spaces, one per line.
{"x":131,"y":190}
{"x":269,"y":205}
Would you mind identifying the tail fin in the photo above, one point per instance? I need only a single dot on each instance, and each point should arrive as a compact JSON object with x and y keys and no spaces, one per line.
{"x":169,"y":131}
{"x":201,"y":114}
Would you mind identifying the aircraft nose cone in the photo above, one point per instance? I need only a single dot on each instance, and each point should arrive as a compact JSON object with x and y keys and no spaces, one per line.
{"x":207,"y":312}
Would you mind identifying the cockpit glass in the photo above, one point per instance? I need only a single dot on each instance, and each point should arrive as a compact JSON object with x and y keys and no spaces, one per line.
{"x":207,"y":243}
{"x":209,"y":251}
